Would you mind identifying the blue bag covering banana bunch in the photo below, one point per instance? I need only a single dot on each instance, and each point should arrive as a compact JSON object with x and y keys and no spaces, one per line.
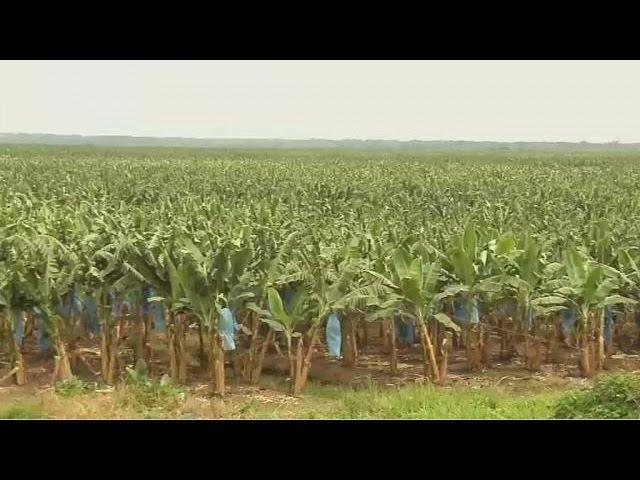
{"x":334,"y":335}
{"x":228,"y":328}
{"x":460,"y":313}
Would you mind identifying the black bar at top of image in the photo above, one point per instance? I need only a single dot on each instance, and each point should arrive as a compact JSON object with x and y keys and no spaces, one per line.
{"x":346,"y":33}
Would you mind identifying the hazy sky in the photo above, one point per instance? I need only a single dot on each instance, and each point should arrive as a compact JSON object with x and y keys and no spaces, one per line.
{"x":426,"y":100}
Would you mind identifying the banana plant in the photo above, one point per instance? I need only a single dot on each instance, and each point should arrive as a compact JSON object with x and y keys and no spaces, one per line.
{"x":280,"y":272}
{"x":628,"y":261}
{"x":329,"y":275}
{"x":468,"y":267}
{"x":105,"y":280}
{"x":410,"y":284}
{"x":522,"y":272}
{"x":50,"y":276}
{"x":326,"y":276}
{"x":209,"y":282}
{"x":601,"y":243}
{"x":587,"y":286}
{"x":287,"y":318}
{"x":155,"y":261}
{"x":14,"y":299}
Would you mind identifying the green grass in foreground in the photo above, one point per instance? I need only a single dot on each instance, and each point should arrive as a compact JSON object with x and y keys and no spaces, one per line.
{"x":22,"y":411}
{"x":317,"y":402}
{"x":429,"y":402}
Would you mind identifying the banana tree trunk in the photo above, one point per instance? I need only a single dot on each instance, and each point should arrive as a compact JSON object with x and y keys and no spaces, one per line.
{"x":392,"y":346}
{"x":548,"y":341}
{"x":148,"y":340}
{"x":110,"y":336}
{"x":256,"y":372}
{"x":556,"y":341}
{"x":503,"y":338}
{"x":101,"y":319}
{"x":297,"y":376}
{"x":306,"y":363}
{"x":617,"y":331}
{"x":17,"y":360}
{"x":104,"y":352}
{"x":428,"y":354}
{"x":472,"y":340}
{"x":486,"y":345}
{"x":62,"y":366}
{"x":292,"y":363}
{"x":171,"y":344}
{"x":202,"y":351}
{"x":236,"y":361}
{"x":445,"y":348}
{"x":217,"y":365}
{"x":435,"y":339}
{"x":593,"y":351}
{"x":584,"y":362}
{"x":140,"y":334}
{"x":114,"y":347}
{"x":252,"y":351}
{"x":523,"y":327}
{"x":534,"y":351}
{"x":513,"y":339}
{"x":350,"y":352}
{"x":276,"y":346}
{"x":365,"y":334}
{"x":467,"y":337}
{"x":29,"y":325}
{"x":181,"y":347}
{"x":601,"y":356}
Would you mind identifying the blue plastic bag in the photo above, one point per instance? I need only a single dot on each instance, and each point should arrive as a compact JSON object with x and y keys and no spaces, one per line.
{"x":405,"y":330}
{"x":43,"y":335}
{"x":91,"y":308}
{"x":157,"y":313}
{"x":228,"y":327}
{"x":608,"y":323}
{"x":117,"y":307}
{"x":19,"y":327}
{"x":569,"y":318}
{"x":334,"y":335}
{"x":153,"y":308}
{"x":147,"y":293}
{"x":460,"y":313}
{"x":70,"y":305}
{"x":288,"y":294}
{"x":508,"y":307}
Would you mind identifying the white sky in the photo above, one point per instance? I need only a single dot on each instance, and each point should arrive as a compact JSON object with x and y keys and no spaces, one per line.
{"x":596,"y":101}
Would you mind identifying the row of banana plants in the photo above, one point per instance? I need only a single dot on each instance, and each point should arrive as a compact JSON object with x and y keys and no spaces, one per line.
{"x":292,"y":293}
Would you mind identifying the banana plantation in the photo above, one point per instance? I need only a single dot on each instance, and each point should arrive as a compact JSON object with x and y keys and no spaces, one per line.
{"x":220,"y":265}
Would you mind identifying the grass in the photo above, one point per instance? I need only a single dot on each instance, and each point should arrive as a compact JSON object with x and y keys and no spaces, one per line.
{"x":23,"y":410}
{"x":74,"y":386}
{"x":613,"y":396}
{"x":150,"y":397}
{"x":428,"y":402}
{"x":143,"y":399}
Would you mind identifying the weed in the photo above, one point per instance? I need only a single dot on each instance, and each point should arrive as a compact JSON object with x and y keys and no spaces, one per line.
{"x":74,"y":386}
{"x":611,"y":396}
{"x":23,"y":410}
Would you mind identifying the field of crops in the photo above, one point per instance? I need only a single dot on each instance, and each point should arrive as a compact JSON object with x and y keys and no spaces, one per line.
{"x":195,"y":263}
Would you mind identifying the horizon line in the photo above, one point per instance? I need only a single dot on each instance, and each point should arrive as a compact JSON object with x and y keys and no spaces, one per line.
{"x":344,"y":139}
